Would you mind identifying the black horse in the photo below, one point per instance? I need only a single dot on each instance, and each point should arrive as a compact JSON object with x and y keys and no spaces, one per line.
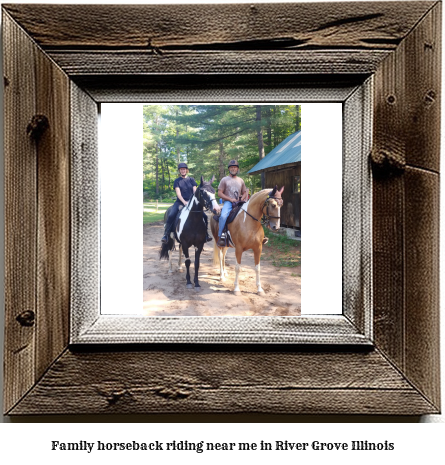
{"x":190,"y":229}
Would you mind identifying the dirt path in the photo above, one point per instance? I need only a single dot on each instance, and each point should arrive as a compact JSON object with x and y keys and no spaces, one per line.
{"x":166,"y":295}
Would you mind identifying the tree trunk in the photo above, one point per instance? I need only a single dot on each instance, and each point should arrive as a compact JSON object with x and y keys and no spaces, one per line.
{"x":298,"y":118}
{"x":163,"y":177}
{"x":157,"y":170}
{"x":269,"y":129}
{"x":177,"y":148}
{"x":260,"y":141}
{"x":221,"y":160}
{"x":169,"y":178}
{"x":276,"y":129}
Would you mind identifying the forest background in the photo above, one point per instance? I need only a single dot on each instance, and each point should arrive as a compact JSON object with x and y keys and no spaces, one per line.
{"x":207,"y":137}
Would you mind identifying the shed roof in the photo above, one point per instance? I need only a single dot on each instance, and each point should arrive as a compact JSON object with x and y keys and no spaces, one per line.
{"x":288,"y":151}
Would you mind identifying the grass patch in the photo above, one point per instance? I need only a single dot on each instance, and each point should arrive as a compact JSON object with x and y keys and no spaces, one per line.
{"x":281,"y":250}
{"x":150,"y":213}
{"x":152,"y":217}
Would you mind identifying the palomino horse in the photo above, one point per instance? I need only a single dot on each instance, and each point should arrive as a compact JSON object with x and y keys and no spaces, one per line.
{"x":245,"y":231}
{"x":190,"y":230}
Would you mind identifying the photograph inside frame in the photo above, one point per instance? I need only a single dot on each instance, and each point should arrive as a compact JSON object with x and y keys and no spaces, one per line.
{"x":222,"y":210}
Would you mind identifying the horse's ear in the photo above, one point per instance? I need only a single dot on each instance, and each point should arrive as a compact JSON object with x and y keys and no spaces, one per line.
{"x":213,"y":178}
{"x":281,"y":190}
{"x":272,"y":193}
{"x":202,"y":180}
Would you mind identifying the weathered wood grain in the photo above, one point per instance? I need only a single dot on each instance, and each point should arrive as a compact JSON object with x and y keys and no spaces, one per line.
{"x":53,"y":224}
{"x":348,"y":25}
{"x":399,"y":42}
{"x":422,"y":323}
{"x":222,"y":382}
{"x":406,"y":134}
{"x":423,"y":92}
{"x":118,"y":62}
{"x":20,"y":213}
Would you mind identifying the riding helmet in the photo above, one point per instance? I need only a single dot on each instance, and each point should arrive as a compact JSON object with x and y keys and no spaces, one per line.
{"x":182,"y":165}
{"x":233,"y":163}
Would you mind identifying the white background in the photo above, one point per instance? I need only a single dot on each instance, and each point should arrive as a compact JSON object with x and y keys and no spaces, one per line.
{"x":120,"y":157}
{"x":30,"y":443}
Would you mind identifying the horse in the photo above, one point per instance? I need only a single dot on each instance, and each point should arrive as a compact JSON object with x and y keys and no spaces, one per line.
{"x":190,"y":229}
{"x":245,"y":232}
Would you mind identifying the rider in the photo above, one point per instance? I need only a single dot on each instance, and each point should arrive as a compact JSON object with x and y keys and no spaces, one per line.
{"x":230,"y":188}
{"x":185,"y":187}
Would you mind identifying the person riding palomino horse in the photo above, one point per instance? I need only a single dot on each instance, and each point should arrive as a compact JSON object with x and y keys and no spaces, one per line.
{"x":185,"y":187}
{"x":246,"y":232}
{"x":230,"y":189}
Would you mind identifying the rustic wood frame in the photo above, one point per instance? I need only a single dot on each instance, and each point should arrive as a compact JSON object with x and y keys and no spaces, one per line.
{"x":97,"y":53}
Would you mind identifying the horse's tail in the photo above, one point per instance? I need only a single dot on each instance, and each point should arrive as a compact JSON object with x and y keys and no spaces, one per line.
{"x":165,"y":249}
{"x":215,"y":254}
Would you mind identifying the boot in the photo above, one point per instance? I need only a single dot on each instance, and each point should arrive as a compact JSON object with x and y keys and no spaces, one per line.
{"x":222,"y":240}
{"x":206,"y":220}
{"x":166,"y":235}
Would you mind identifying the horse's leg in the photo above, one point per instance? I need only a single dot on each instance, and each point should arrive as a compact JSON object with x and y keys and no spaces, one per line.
{"x":238,"y":255}
{"x":180,"y":258}
{"x":225,"y":273}
{"x":189,"y":284}
{"x":222,"y":276}
{"x":257,"y":257}
{"x":198,"y":251}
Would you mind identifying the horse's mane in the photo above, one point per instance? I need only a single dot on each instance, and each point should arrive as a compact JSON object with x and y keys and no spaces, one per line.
{"x":260,"y":193}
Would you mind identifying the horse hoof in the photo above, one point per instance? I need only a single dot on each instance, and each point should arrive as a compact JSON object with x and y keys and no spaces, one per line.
{"x":170,"y":271}
{"x":189,"y":286}
{"x":261,"y":293}
{"x":180,"y":270}
{"x":237,"y":293}
{"x":198,"y":288}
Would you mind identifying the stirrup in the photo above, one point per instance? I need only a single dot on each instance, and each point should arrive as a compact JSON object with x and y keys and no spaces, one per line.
{"x":222,"y":240}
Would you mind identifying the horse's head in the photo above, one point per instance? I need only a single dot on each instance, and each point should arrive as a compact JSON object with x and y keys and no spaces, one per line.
{"x":206,"y":194}
{"x":271,"y":208}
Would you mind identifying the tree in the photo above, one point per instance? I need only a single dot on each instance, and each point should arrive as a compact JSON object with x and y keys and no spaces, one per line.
{"x":206,"y":137}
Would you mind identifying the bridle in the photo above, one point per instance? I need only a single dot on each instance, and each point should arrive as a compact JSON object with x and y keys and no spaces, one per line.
{"x":265,"y":218}
{"x":207,"y":202}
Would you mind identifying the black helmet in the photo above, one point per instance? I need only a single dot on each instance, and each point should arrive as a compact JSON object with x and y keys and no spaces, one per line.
{"x":182,"y":165}
{"x":233,"y":163}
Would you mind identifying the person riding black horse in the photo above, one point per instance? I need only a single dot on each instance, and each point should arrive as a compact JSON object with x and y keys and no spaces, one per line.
{"x":185,"y":187}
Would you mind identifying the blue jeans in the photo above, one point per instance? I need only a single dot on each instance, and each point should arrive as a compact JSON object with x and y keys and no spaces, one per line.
{"x":226,"y":209}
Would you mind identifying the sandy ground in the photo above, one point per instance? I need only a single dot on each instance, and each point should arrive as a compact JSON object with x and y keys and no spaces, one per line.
{"x":165,"y":293}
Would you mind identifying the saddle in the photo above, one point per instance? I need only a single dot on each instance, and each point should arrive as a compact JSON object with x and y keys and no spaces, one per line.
{"x":232,"y":214}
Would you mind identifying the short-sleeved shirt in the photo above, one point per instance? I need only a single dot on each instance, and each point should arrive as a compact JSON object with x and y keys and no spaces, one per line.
{"x":232,"y":187}
{"x":186,"y":187}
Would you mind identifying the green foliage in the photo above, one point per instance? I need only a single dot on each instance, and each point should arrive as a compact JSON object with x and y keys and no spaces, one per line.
{"x":207,"y":137}
{"x":281,"y":250}
{"x":150,"y":213}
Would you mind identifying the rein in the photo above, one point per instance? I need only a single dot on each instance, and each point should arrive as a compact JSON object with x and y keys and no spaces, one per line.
{"x":265,"y":217}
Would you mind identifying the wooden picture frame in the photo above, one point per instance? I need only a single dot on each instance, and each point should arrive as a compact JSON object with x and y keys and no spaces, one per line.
{"x":56,"y":72}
